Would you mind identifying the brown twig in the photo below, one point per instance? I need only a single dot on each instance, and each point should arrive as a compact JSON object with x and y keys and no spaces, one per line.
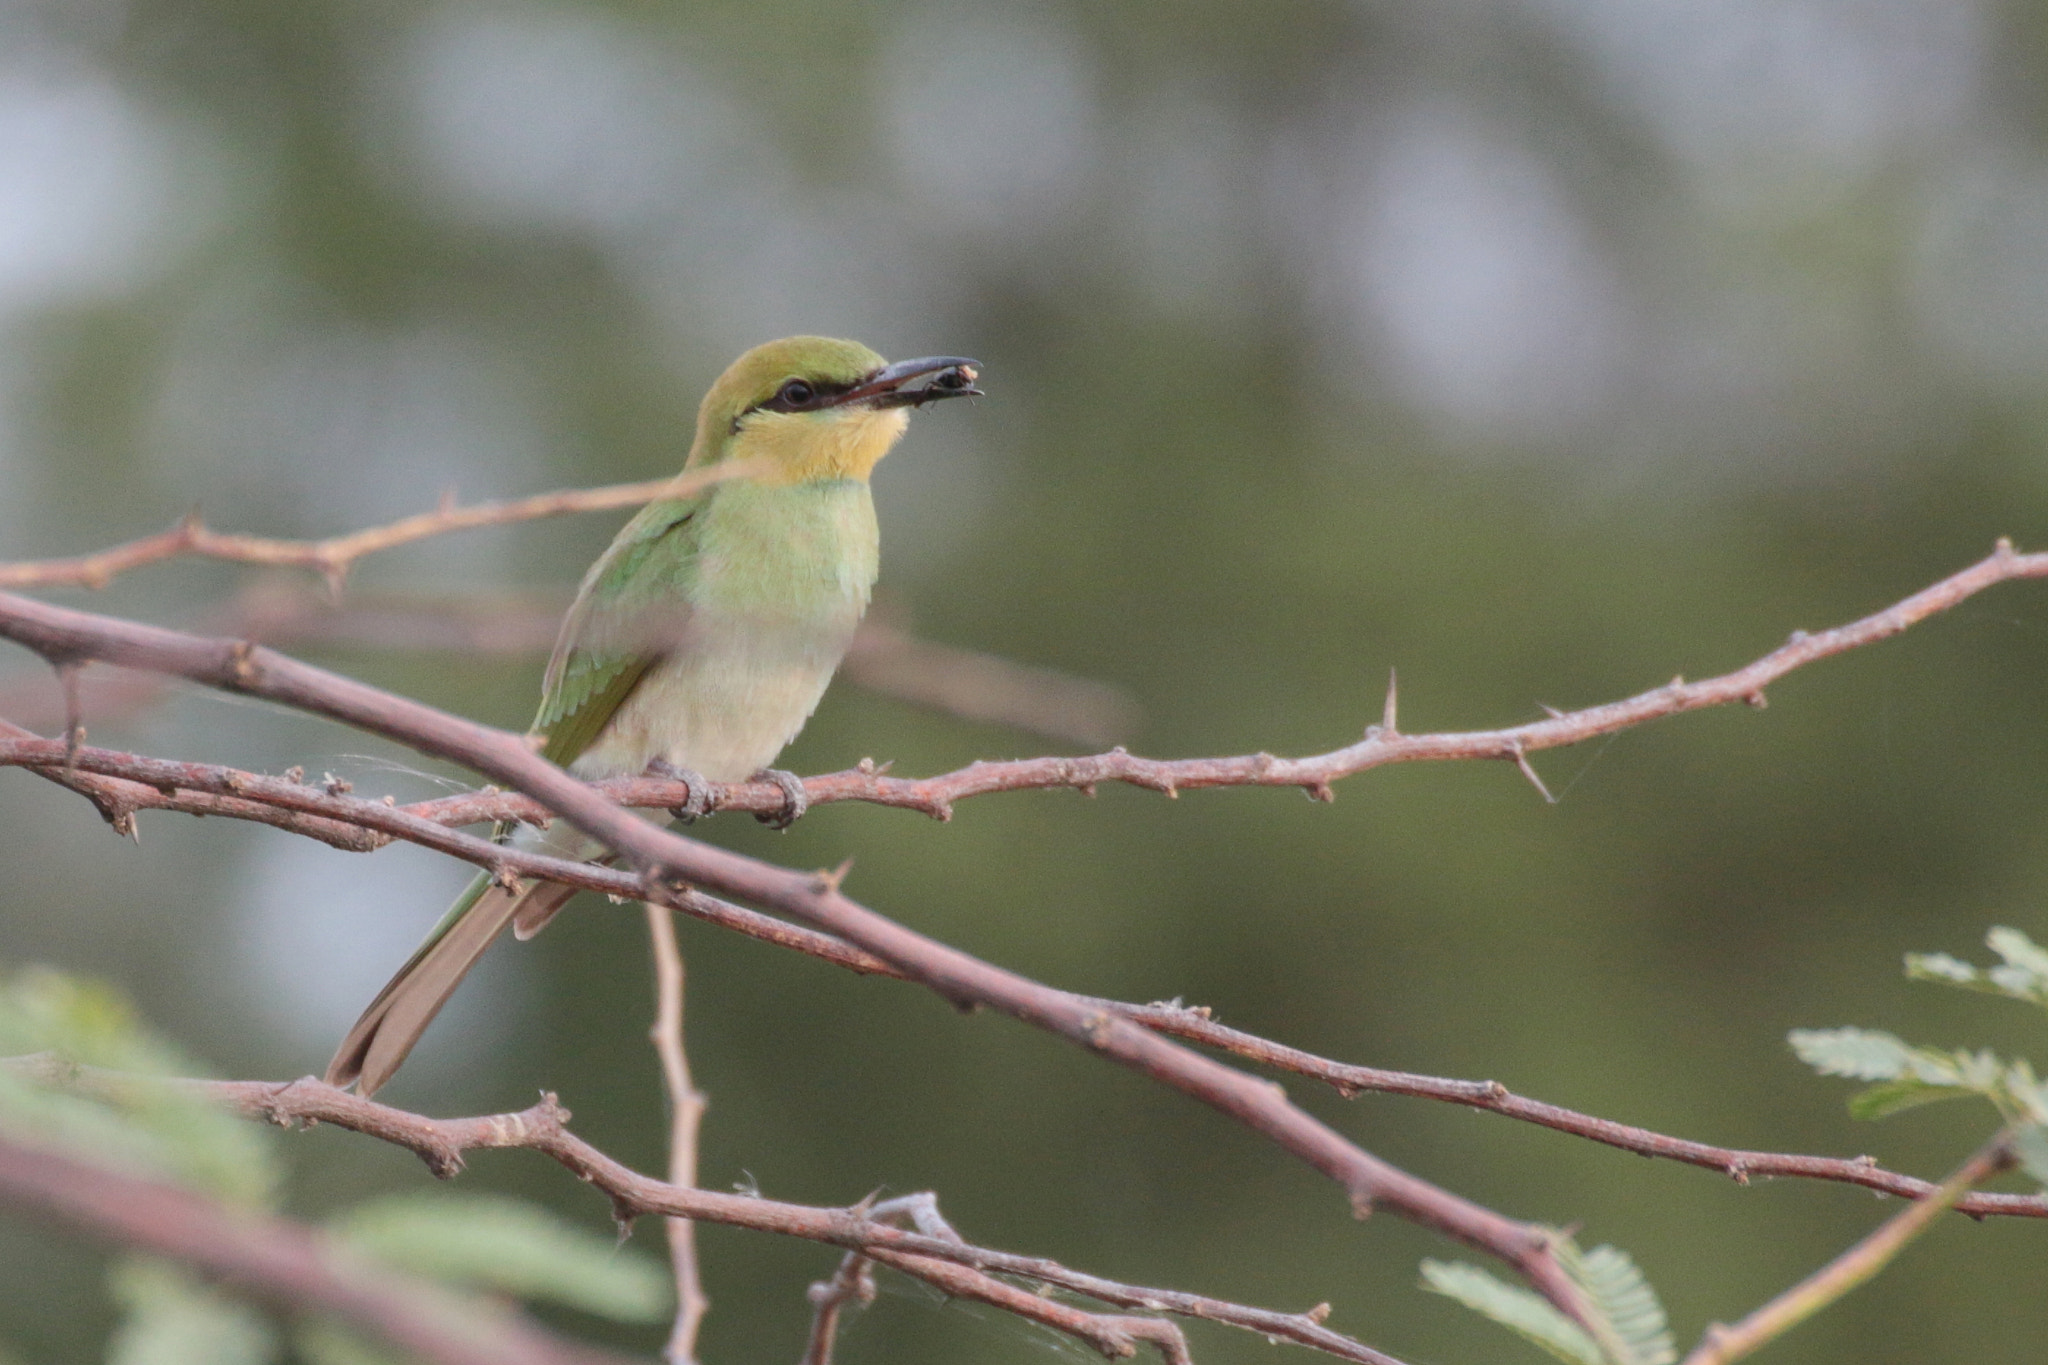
{"x":135,"y":783}
{"x":885,"y":658}
{"x":686,"y":1116}
{"x":1194,"y":1024}
{"x":355,"y":824}
{"x":663,"y":858}
{"x":852,"y":1283}
{"x":1383,"y":745}
{"x":1114,"y":1335}
{"x":1854,"y":1267}
{"x":334,"y":557}
{"x":926,"y":1244}
{"x":281,"y":1263}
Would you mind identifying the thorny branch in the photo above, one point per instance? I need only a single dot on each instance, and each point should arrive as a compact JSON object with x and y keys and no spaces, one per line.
{"x":68,"y":639}
{"x":1383,"y":743}
{"x":664,"y":859}
{"x":885,"y":658}
{"x":1854,"y":1267}
{"x":120,"y":784}
{"x":334,"y":557}
{"x":927,"y":1248}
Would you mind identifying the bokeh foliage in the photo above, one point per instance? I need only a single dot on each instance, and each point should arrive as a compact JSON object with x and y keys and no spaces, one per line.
{"x":1540,"y":350}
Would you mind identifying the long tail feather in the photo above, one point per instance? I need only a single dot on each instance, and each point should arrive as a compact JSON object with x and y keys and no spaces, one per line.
{"x":394,"y":1021}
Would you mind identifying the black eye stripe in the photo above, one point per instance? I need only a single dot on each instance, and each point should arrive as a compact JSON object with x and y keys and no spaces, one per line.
{"x":800,"y":395}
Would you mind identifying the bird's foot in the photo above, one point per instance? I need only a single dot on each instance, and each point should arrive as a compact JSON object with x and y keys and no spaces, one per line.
{"x":698,"y":804}
{"x":795,"y":800}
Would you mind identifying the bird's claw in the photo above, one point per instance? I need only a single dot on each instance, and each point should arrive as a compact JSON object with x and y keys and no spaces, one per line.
{"x":795,"y":800}
{"x":698,"y":803}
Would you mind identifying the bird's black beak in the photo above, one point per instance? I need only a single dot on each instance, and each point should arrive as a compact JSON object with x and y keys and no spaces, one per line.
{"x":952,"y":377}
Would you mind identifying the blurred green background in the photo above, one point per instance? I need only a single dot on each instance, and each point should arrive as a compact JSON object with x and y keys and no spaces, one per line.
{"x":1542,"y":350}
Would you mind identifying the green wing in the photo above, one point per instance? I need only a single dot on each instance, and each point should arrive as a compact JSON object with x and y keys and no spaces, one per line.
{"x":632,"y":609}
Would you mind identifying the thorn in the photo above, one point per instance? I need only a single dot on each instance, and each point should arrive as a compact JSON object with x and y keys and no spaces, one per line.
{"x":334,"y":573}
{"x":2003,"y":549}
{"x":1321,"y":791}
{"x":1757,"y":699}
{"x":1551,"y":711}
{"x":1522,"y":762}
{"x":828,"y":881}
{"x":1797,"y":637}
{"x":295,"y":775}
{"x":390,"y":800}
{"x":1677,"y":681}
{"x":336,"y":786}
{"x":1387,"y":727}
{"x":241,"y":661}
{"x":1318,"y":1313}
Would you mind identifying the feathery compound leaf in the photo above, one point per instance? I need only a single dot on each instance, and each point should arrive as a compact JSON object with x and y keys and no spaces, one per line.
{"x":2026,"y":964}
{"x":513,"y":1247}
{"x":1944,"y":968}
{"x":1859,"y":1054}
{"x":2030,"y":1145}
{"x":62,"y":1021}
{"x":1893,"y":1097}
{"x":174,"y":1318}
{"x":1514,"y":1308}
{"x":2024,"y":975}
{"x":322,"y":1341}
{"x":1623,"y":1298}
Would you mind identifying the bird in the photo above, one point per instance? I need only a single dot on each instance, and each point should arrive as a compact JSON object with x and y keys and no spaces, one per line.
{"x":703,"y":638}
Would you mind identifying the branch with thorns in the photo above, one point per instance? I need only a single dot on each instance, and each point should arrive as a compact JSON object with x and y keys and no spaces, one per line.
{"x":907,"y":1234}
{"x":666,"y":862}
{"x":126,"y":783}
{"x":659,"y":863}
{"x":333,"y":557}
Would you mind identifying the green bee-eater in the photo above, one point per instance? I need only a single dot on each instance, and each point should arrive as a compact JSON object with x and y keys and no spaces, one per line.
{"x":702,"y":639}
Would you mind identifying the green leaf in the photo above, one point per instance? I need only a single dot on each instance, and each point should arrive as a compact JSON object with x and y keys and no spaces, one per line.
{"x":511,"y":1247}
{"x":154,"y":1130}
{"x":1859,"y":1054}
{"x":1882,"y":1101}
{"x":2030,"y":1145}
{"x":2026,"y":964}
{"x":1517,"y":1309}
{"x":322,"y":1341}
{"x":1622,"y":1297}
{"x":171,"y":1318}
{"x":1943,"y":968}
{"x":2024,"y":975}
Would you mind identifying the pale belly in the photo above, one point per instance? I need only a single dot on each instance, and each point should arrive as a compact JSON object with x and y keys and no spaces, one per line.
{"x":782,"y":577}
{"x":725,"y":707}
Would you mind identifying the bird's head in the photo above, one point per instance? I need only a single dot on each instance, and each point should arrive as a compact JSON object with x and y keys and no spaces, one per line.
{"x":808,"y":408}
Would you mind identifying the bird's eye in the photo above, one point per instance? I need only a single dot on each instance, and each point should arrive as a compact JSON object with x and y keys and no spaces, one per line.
{"x":796,"y":393}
